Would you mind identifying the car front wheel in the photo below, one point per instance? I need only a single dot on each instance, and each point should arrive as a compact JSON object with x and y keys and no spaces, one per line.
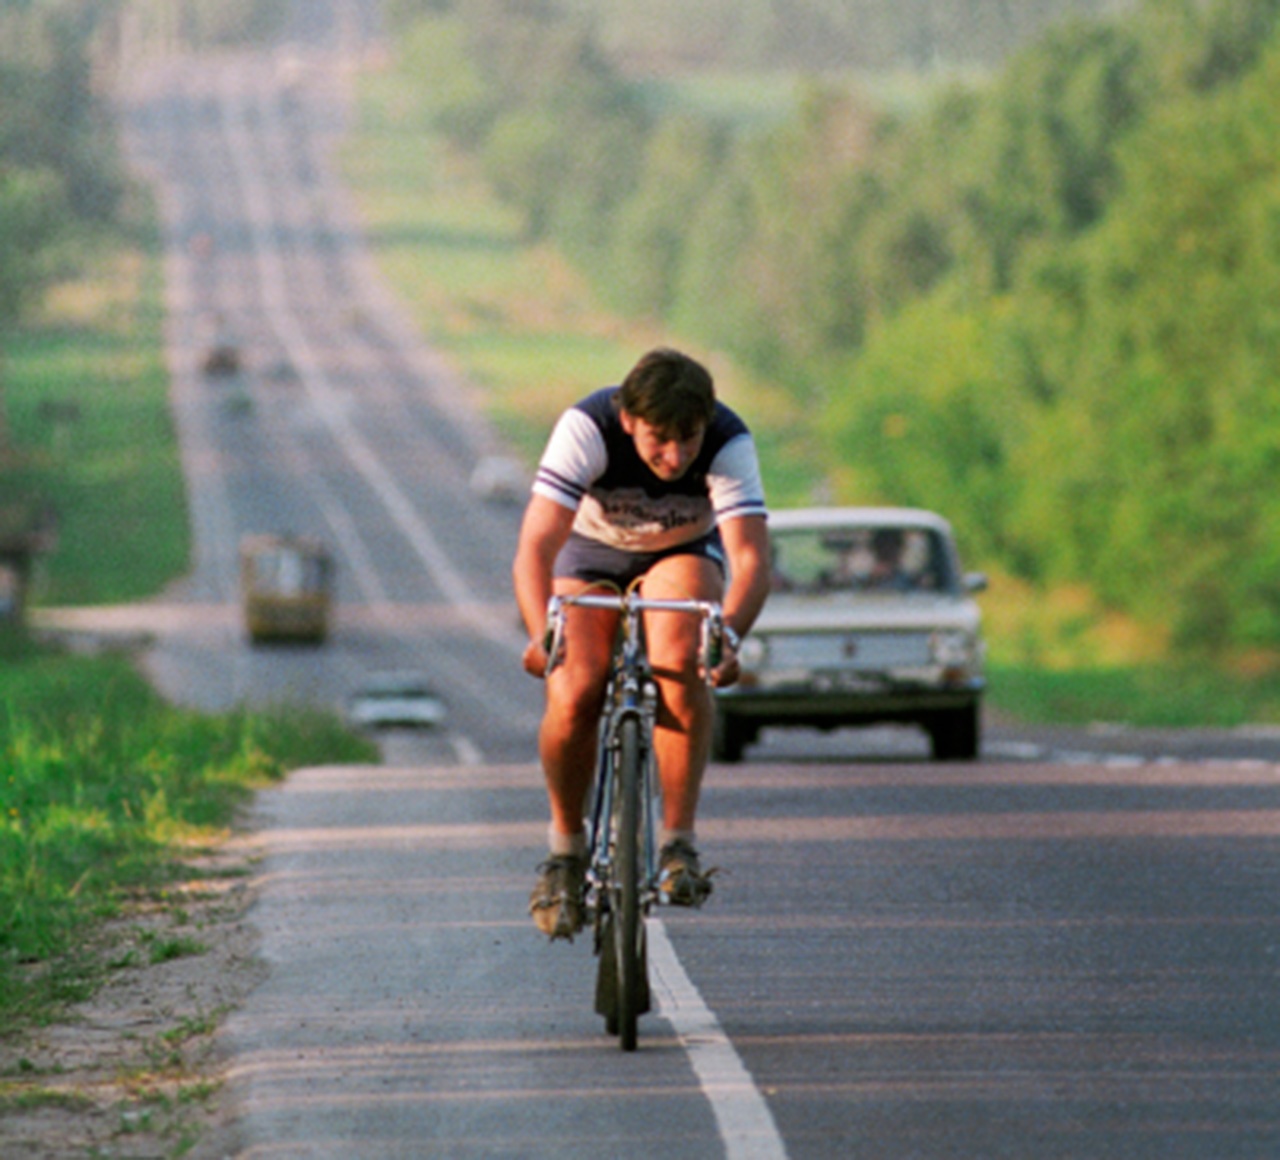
{"x":729,"y":737}
{"x":954,"y":734}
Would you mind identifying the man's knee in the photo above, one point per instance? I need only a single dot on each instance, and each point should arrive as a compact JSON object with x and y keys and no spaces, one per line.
{"x":683,"y":704}
{"x":575,"y":699}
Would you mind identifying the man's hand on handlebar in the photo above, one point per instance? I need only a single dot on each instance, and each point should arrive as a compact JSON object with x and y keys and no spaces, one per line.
{"x":544,"y":653}
{"x":726,"y":670}
{"x":535,"y":658}
{"x":726,"y":673}
{"x":718,"y":651}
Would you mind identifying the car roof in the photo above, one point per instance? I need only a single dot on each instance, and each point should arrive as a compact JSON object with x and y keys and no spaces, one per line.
{"x":785,"y":519}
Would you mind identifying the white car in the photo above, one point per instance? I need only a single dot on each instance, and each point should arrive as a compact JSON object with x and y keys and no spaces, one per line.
{"x":870,"y":619}
{"x":500,"y":478}
{"x":396,"y":699}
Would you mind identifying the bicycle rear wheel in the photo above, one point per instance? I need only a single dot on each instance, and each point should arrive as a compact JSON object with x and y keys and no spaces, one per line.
{"x":628,"y":925}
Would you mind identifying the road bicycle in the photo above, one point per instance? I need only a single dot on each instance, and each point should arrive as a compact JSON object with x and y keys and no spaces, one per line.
{"x":622,"y":871}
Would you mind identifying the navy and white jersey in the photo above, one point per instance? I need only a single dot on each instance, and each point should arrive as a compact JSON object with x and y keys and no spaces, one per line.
{"x":591,"y":466}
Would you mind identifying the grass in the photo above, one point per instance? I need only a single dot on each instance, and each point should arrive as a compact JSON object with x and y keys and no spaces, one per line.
{"x":86,"y":401}
{"x":105,"y":787}
{"x":1142,"y":695}
{"x":22,"y":1097}
{"x":516,"y":317}
{"x":743,"y":100}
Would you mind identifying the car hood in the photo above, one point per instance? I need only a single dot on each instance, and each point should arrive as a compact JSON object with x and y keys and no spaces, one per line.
{"x":887,"y":613}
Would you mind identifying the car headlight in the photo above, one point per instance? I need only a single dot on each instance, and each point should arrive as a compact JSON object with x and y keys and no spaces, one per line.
{"x":952,"y":650}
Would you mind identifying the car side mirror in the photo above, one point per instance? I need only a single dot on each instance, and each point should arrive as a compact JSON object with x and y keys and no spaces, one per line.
{"x":975,"y":581}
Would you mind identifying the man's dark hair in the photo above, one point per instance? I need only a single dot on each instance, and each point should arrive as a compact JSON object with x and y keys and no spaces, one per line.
{"x":669,"y":391}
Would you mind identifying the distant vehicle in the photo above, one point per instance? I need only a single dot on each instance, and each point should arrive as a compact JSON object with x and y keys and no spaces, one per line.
{"x":222,"y":357}
{"x":403,"y":698}
{"x":286,"y":587}
{"x":500,"y":478}
{"x":870,"y":620}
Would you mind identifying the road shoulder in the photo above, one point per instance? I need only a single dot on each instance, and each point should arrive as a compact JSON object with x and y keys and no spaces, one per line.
{"x":137,"y":1069}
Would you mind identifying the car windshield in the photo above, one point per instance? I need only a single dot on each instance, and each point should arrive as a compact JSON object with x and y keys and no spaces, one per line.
{"x":289,"y":571}
{"x":860,"y":559}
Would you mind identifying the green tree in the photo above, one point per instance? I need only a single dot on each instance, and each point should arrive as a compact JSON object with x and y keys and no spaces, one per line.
{"x":1164,"y":436}
{"x":58,"y":171}
{"x":677,"y":174}
{"x":32,"y":206}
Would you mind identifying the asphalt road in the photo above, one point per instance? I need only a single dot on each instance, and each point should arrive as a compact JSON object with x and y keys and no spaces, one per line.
{"x":1066,"y":949}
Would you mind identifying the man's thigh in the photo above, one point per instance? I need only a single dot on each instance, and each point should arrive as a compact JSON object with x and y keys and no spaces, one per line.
{"x":588,"y":645}
{"x":673,"y":636}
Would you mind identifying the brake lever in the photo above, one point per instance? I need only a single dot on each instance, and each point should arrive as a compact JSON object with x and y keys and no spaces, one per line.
{"x":553,"y":635}
{"x":712,"y":643}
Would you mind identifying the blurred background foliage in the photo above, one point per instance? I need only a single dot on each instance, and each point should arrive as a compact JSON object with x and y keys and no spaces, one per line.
{"x":1036,"y":292}
{"x":1014,"y":261}
{"x":61,"y":176}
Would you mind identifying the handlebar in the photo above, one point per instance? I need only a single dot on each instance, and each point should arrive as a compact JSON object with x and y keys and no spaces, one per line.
{"x":710,"y":637}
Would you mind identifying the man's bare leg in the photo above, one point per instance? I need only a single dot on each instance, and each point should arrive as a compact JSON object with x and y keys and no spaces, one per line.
{"x":567,"y":738}
{"x":567,"y":746}
{"x":682,"y":737}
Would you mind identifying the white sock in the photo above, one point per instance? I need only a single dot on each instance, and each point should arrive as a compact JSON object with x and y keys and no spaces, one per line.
{"x":560,"y":844}
{"x":669,"y":836}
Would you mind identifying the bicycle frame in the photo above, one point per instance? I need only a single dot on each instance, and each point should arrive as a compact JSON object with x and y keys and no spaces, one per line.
{"x":623,"y":819}
{"x":631,"y":693}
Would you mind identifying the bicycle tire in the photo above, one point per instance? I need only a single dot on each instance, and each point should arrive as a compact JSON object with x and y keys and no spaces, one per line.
{"x":628,"y":925}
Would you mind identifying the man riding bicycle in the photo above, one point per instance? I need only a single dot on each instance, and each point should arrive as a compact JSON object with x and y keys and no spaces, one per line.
{"x":653,"y":479}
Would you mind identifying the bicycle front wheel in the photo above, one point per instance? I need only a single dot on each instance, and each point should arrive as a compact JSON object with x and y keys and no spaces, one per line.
{"x":628,"y":925}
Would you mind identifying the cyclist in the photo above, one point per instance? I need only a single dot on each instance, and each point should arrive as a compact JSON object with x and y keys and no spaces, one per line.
{"x":654,"y":479}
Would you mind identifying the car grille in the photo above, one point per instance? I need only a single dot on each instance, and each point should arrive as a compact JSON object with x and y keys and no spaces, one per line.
{"x":852,"y":651}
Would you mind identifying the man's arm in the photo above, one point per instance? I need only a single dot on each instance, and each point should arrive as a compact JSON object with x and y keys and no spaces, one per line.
{"x":543,"y":532}
{"x":746,"y":542}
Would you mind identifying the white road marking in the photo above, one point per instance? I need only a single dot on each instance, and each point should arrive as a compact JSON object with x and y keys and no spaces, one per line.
{"x":465,"y":750}
{"x":746,"y":1125}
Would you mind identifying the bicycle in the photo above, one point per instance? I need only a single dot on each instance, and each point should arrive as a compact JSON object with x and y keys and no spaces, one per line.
{"x":622,"y":870}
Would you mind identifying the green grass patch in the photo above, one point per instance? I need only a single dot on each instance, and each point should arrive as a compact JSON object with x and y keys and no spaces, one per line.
{"x":86,"y":400}
{"x":194,"y":1026}
{"x":21,"y":1098}
{"x":105,"y":785}
{"x":1142,"y":695}
{"x":752,"y":100}
{"x":514,"y":317}
{"x":165,"y":950}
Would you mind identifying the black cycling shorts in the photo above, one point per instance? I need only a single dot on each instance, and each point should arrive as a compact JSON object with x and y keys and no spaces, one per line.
{"x":591,"y":561}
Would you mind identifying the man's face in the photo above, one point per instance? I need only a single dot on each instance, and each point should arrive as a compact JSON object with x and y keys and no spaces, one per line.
{"x":665,"y":453}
